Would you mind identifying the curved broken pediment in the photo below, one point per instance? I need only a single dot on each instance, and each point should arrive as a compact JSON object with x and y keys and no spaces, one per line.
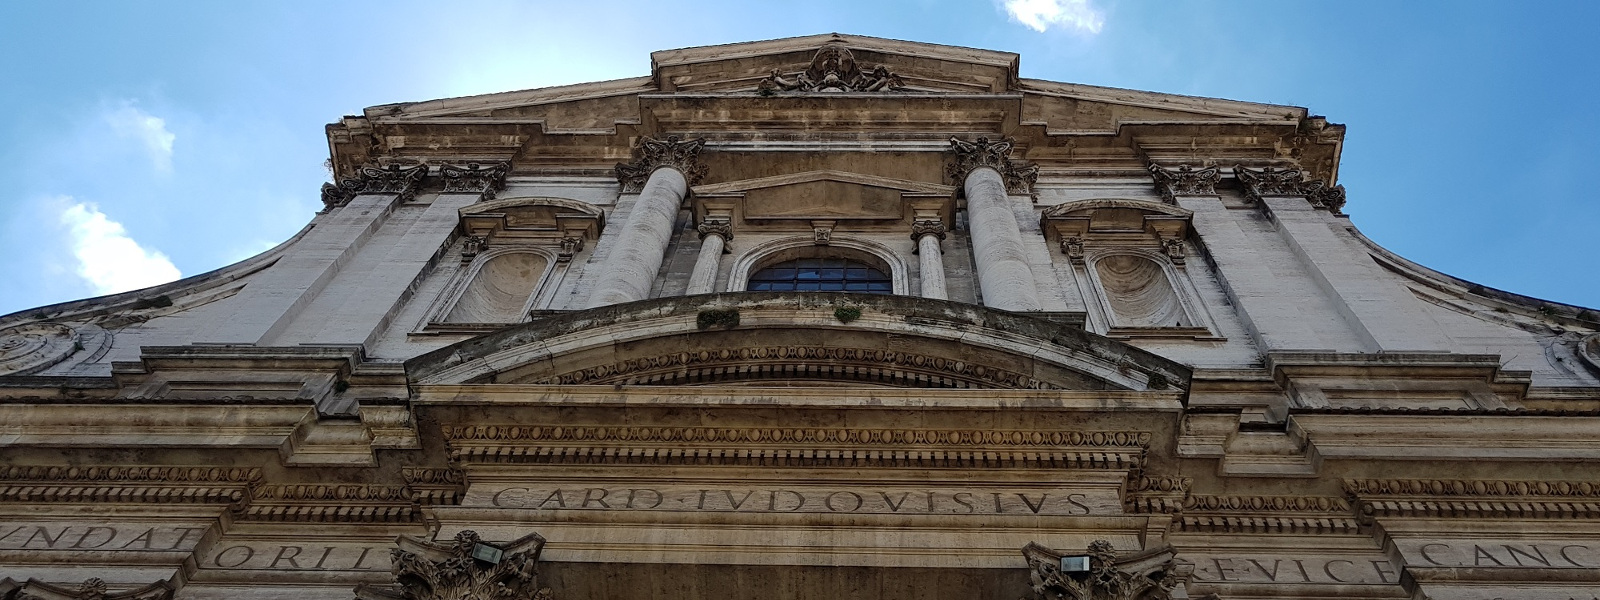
{"x":800,"y":339}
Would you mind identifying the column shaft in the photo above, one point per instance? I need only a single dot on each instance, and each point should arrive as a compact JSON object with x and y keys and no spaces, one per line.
{"x":704,"y":278}
{"x":932,"y":262}
{"x":1003,"y":273}
{"x":631,"y":267}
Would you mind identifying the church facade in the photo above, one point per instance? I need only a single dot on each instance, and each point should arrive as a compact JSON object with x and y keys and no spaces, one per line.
{"x":819,"y":317}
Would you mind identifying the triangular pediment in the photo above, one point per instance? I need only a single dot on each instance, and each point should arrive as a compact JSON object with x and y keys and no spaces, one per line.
{"x":825,"y":194}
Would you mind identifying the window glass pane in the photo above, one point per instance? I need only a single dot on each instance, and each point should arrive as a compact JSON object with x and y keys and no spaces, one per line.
{"x":821,"y":274}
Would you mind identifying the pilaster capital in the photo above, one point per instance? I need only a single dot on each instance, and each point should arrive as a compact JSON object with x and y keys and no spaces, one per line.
{"x":1100,"y":574}
{"x":651,"y":154}
{"x":370,"y":179}
{"x":466,"y":567}
{"x":1290,"y":182}
{"x":718,"y":226}
{"x":1019,"y":176}
{"x":1184,"y":181}
{"x":475,"y":178}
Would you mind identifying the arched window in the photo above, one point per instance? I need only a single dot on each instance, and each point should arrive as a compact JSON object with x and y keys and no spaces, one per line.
{"x":500,"y":289}
{"x":821,"y":275}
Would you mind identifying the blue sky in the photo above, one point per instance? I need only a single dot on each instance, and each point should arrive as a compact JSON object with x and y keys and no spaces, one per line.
{"x":149,"y":139}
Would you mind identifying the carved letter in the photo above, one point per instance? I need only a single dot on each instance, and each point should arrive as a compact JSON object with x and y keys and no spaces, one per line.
{"x":1383,"y":573}
{"x":1567,"y":558}
{"x":326,"y":550}
{"x":183,"y":534}
{"x":1478,"y":554}
{"x":148,"y":536}
{"x":361,"y":559}
{"x":958,"y":500}
{"x":49,"y":542}
{"x":1073,"y":500}
{"x":829,"y":501}
{"x":249,"y":553}
{"x":1428,"y":557}
{"x":1222,"y":572}
{"x":556,"y":496}
{"x":894,"y":506}
{"x":588,"y":496}
{"x":632,"y":494}
{"x":800,"y":500}
{"x":91,"y":531}
{"x":1537,"y":555}
{"x":1328,"y":568}
{"x":496,"y":500}
{"x":1271,"y":575}
{"x":737,"y":503}
{"x":1300,"y":564}
{"x":281,"y":551}
{"x":1031,"y":506}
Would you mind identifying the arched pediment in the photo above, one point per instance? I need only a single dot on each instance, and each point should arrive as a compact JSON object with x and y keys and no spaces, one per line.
{"x":800,"y":339}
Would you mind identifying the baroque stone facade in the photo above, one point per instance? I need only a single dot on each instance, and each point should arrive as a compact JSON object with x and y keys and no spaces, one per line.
{"x":821,"y":317}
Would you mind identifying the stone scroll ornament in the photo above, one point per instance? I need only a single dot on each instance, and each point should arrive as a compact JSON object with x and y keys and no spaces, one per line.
{"x":1150,"y":575}
{"x":1020,"y":176}
{"x":466,"y":568}
{"x":673,"y":152}
{"x":393,"y":179}
{"x":833,"y":69}
{"x":1272,"y":181}
{"x":1185,"y":181}
{"x":475,"y":178}
{"x":90,"y":589}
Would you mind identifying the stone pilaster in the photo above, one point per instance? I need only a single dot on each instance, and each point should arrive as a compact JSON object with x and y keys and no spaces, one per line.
{"x":1003,"y":274}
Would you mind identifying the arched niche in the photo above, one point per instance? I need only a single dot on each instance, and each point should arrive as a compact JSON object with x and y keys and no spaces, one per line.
{"x":1139,"y":291}
{"x":500,"y":286}
{"x":786,"y":249}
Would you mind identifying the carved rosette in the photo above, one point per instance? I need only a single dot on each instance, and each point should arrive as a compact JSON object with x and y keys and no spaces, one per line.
{"x":91,"y":589}
{"x":464,"y":569}
{"x":1150,"y":575}
{"x":393,"y":179}
{"x":721,"y":227}
{"x":673,"y":153}
{"x":1019,"y":176}
{"x":475,"y":178}
{"x":1185,"y":181}
{"x":833,"y":69}
{"x":1290,"y":182}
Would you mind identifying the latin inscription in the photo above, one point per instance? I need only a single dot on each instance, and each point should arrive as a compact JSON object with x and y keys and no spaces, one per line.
{"x":1277,"y":569}
{"x":297,"y":557}
{"x":1525,"y":555}
{"x":803,"y":500}
{"x":129,"y":538}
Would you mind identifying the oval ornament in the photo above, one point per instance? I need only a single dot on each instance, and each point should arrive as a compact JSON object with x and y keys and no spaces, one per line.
{"x":33,"y":347}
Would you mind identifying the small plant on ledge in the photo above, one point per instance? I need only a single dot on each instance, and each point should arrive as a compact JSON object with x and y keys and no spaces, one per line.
{"x":846,"y":314}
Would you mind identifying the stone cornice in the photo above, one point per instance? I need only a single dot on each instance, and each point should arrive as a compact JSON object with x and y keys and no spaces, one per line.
{"x":1481,"y":498}
{"x":56,"y":484}
{"x":789,"y":446}
{"x":672,"y":153}
{"x":1019,"y":176}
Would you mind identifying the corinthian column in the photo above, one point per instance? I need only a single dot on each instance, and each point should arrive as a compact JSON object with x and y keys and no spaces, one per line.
{"x":714,"y":234}
{"x":662,"y":175}
{"x":928,"y":234}
{"x":983,"y":170}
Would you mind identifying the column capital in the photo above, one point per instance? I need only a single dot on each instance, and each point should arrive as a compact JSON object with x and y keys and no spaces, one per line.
{"x":1290,"y":182}
{"x":718,"y":226}
{"x":927,"y":227}
{"x":371,"y":179}
{"x":1019,"y":176}
{"x":475,"y":178}
{"x":1185,"y":181}
{"x":651,"y":154}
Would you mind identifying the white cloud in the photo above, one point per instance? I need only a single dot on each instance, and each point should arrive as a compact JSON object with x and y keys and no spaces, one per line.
{"x":107,"y":258}
{"x":129,"y":121}
{"x":1040,"y":15}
